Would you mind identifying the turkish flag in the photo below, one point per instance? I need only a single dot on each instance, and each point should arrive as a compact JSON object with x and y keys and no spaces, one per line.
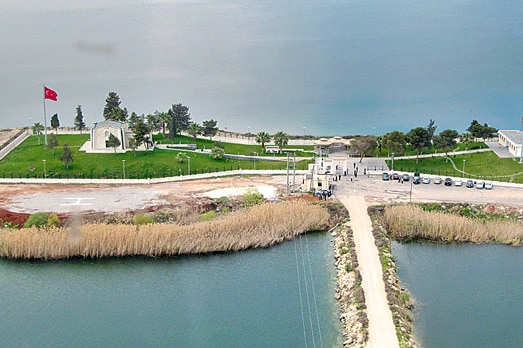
{"x":50,"y":94}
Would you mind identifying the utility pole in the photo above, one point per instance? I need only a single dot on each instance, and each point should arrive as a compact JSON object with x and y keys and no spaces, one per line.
{"x":288,"y":191}
{"x":294,"y":173}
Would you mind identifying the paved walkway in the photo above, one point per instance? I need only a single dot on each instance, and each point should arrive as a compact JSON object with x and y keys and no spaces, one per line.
{"x":382,"y":332}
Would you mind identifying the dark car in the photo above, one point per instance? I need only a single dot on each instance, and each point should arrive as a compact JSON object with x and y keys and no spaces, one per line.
{"x":405,"y":177}
{"x":395,"y":176}
{"x":470,"y":183}
{"x":448,"y":182}
{"x":416,"y":179}
{"x":385,"y":176}
{"x":323,"y":193}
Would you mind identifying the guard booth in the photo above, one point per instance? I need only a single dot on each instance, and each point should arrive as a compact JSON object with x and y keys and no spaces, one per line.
{"x":324,"y":172}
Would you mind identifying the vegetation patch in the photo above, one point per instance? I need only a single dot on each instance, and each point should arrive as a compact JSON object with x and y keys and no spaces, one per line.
{"x":254,"y":227}
{"x":400,"y":300}
{"x":26,"y":160}
{"x":410,"y":222}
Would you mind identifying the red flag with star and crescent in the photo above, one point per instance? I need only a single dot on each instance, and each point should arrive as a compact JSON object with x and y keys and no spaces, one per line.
{"x":50,"y":94}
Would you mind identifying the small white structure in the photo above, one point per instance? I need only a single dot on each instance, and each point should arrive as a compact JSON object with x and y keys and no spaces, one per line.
{"x":324,"y":172}
{"x":100,"y":135}
{"x":511,"y":140}
{"x":272,"y":149}
{"x":324,"y":145}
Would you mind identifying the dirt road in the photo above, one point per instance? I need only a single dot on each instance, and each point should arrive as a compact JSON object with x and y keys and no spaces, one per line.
{"x":382,"y":332}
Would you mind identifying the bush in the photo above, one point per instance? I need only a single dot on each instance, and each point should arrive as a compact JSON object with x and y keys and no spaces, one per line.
{"x":53,"y":221}
{"x":142,"y":219}
{"x":217,"y":153}
{"x":208,"y":215}
{"x":252,"y":197}
{"x":37,"y":220}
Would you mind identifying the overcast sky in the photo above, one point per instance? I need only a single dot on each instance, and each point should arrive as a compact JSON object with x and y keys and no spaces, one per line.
{"x":333,"y":67}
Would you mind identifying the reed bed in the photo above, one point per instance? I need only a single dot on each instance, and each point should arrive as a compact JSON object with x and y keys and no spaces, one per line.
{"x":410,"y":222}
{"x":258,"y":226}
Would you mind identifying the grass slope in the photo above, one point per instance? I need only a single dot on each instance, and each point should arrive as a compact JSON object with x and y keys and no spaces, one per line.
{"x":27,"y":161}
{"x":485,"y":165}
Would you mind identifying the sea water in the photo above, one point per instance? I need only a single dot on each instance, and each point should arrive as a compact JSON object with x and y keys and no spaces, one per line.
{"x":466,"y":295}
{"x":255,"y":298}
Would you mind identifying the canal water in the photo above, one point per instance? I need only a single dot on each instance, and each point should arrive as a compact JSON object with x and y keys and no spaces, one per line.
{"x":468,"y":295}
{"x":255,"y":298}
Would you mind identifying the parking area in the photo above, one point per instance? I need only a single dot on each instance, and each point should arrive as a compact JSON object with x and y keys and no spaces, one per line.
{"x":379,"y":191}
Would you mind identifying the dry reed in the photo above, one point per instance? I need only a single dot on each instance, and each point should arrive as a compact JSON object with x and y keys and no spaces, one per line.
{"x":254,"y":227}
{"x":409,"y":222}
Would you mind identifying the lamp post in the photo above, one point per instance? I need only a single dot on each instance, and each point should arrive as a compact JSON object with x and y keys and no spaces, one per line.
{"x":393,"y":161}
{"x":410,"y":195}
{"x":248,"y":135}
{"x":188,"y":165}
{"x":123,"y":169}
{"x":45,"y":171}
{"x":255,"y":155}
{"x":463,"y":176}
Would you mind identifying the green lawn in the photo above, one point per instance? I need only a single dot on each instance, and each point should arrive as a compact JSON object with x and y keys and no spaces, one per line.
{"x":26,"y":161}
{"x":231,"y":148}
{"x":485,"y":165}
{"x":412,"y":152}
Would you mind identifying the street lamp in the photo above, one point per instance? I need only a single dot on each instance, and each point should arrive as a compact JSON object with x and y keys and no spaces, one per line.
{"x":410,"y":194}
{"x":188,"y":165}
{"x":248,"y":135}
{"x":463,"y":176}
{"x":255,"y":155}
{"x":123,"y":169}
{"x":393,"y":161}
{"x":45,"y":172}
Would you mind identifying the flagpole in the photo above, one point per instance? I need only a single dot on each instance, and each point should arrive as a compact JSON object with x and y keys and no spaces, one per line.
{"x":45,"y":121}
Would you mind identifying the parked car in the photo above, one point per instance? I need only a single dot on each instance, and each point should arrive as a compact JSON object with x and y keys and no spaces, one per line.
{"x":406,"y":177}
{"x":385,"y":176}
{"x":426,"y":180}
{"x":416,"y":179}
{"x":458,"y":182}
{"x":437,"y":180}
{"x":480,"y":184}
{"x":448,"y":182}
{"x":470,"y":183}
{"x":395,"y":176}
{"x":488,"y":185}
{"x":323,"y":193}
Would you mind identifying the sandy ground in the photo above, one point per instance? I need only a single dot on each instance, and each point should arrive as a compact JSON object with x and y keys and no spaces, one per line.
{"x":121,"y":198}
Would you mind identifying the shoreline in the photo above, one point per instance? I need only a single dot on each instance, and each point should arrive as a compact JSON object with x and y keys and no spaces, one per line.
{"x":258,"y":226}
{"x":349,"y":293}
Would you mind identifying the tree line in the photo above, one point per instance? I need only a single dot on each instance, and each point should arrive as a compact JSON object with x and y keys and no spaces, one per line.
{"x":178,"y":119}
{"x":425,"y":138}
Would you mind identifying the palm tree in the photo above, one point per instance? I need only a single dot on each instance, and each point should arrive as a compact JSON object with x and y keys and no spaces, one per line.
{"x":37,"y":129}
{"x":262,"y":138}
{"x":466,"y":138}
{"x":281,"y":139}
{"x":194,"y":129}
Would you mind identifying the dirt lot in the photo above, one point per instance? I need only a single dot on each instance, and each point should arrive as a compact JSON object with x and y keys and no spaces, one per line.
{"x":19,"y":201}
